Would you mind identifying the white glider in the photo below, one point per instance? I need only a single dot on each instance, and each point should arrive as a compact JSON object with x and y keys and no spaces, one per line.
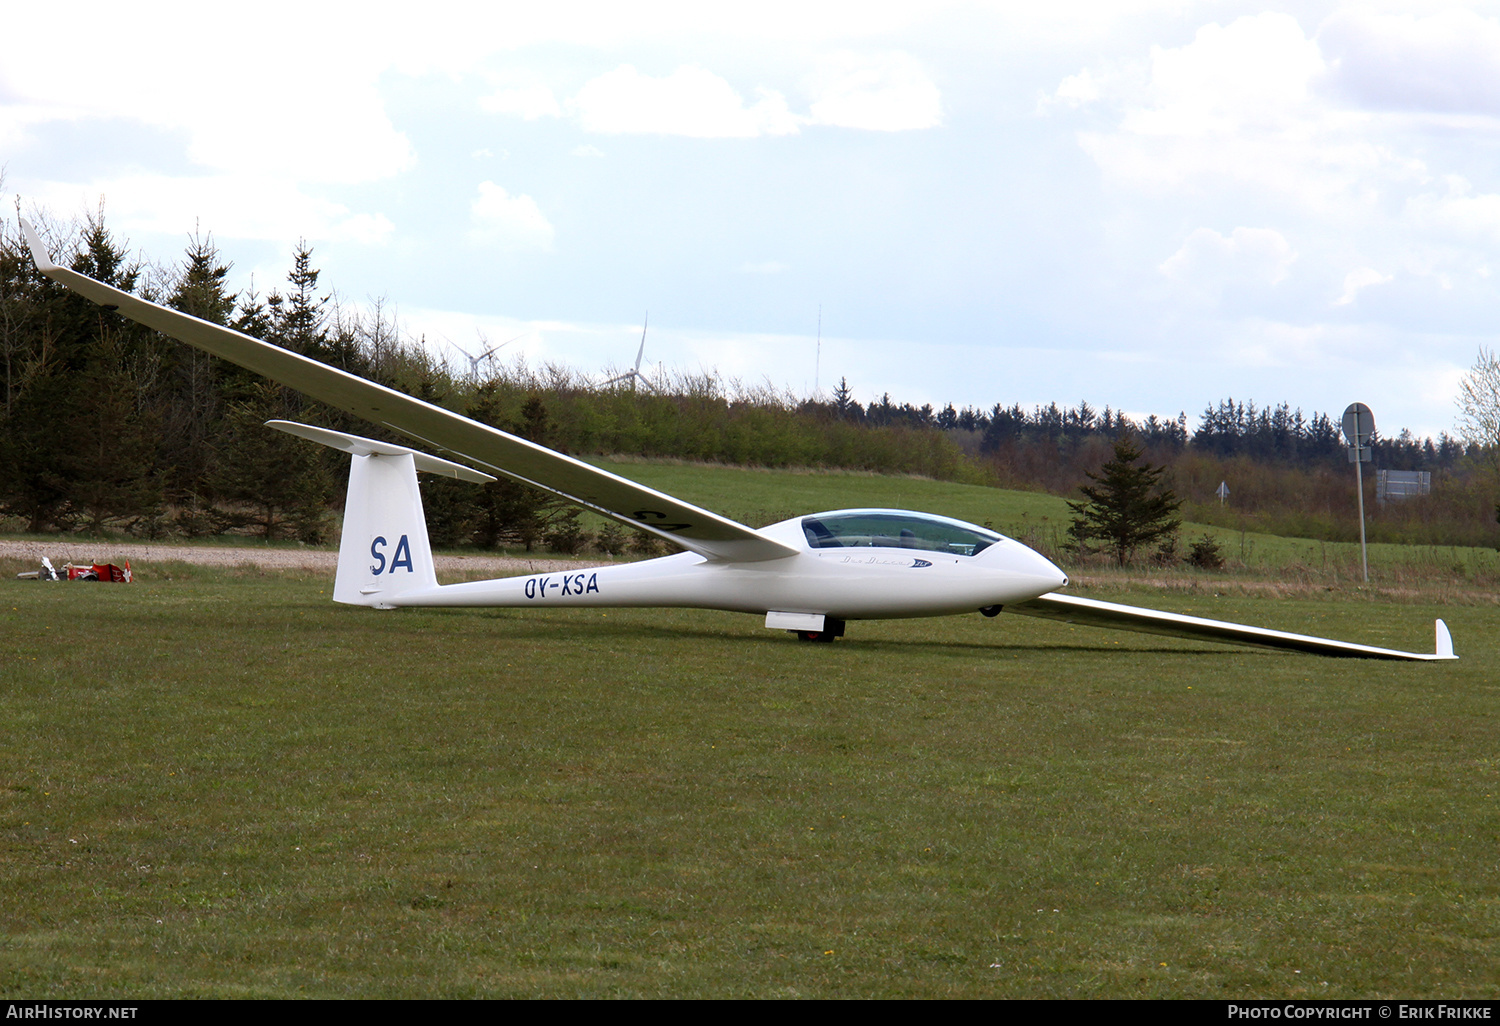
{"x":808,"y":575}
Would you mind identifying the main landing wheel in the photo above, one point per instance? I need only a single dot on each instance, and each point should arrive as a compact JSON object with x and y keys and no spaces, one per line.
{"x":832,"y":628}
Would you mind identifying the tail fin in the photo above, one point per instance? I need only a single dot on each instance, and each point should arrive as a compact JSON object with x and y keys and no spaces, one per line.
{"x":384,"y":551}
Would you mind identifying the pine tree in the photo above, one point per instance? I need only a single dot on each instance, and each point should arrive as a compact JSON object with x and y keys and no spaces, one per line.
{"x":297,"y":319}
{"x":200,"y":288}
{"x":79,"y":435}
{"x":843,"y":399}
{"x":1127,"y":506}
{"x":109,"y":462}
{"x":508,"y":509}
{"x":198,"y":381}
{"x":273,"y":482}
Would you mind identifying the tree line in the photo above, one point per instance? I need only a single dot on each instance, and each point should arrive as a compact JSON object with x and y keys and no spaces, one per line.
{"x":1272,"y":434}
{"x":105,"y":425}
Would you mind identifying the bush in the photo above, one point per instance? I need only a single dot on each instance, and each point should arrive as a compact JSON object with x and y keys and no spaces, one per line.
{"x":1205,"y":554}
{"x":565,"y":535}
{"x":1166,"y":553}
{"x":611,"y":539}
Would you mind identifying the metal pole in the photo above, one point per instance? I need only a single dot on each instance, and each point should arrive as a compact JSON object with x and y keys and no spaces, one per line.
{"x":1359,"y":479}
{"x":1359,"y":429}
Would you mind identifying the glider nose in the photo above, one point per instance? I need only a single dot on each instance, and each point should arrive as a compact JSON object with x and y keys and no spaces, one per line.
{"x":1023,"y":563}
{"x":1047,"y":570}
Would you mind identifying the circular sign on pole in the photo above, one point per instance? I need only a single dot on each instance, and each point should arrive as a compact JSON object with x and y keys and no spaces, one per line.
{"x":1359,"y":425}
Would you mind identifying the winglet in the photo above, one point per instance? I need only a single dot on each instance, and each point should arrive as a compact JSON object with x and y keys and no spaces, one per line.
{"x":38,"y":250}
{"x":1444,"y":642}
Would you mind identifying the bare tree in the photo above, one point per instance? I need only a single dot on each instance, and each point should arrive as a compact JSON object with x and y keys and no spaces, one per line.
{"x":1479,"y":406}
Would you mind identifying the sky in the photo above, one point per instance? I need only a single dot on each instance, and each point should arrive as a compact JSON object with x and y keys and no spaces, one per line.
{"x":1151,"y":206}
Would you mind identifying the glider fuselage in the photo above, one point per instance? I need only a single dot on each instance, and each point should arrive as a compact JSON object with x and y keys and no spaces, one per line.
{"x":858,"y":581}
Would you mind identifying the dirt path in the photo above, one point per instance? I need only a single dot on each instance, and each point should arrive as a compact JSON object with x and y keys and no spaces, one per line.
{"x":70,"y":550}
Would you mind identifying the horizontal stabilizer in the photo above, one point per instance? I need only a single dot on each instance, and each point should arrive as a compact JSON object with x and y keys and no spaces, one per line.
{"x":1094,"y":613}
{"x":358,"y":446}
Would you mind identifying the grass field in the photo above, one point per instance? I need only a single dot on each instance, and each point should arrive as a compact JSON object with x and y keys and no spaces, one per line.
{"x":218,"y":783}
{"x":224,"y":785}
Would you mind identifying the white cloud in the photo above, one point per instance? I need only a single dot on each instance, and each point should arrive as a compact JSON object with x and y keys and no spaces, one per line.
{"x":153,"y":203}
{"x":1074,"y":91}
{"x":531,"y":102}
{"x":1457,"y":213}
{"x":1362,"y":140}
{"x":513,"y":223}
{"x":884,"y":93}
{"x":586,"y":151}
{"x":1236,"y":107}
{"x":1361,"y":278}
{"x":1231,"y":76}
{"x":1448,"y":61}
{"x":690,"y":101}
{"x":367,"y":229}
{"x":1253,"y":254}
{"x":18,"y":119}
{"x":318,"y":118}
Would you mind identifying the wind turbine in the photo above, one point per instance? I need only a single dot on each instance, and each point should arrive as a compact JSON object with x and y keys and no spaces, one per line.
{"x":487,"y":354}
{"x":634,"y":374}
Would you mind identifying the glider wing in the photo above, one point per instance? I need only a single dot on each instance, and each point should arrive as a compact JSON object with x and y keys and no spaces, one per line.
{"x":1094,"y":613}
{"x":695,"y":529}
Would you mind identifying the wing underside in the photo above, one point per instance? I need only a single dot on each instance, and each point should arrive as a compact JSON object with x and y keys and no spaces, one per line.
{"x":695,"y":529}
{"x":1094,"y":613}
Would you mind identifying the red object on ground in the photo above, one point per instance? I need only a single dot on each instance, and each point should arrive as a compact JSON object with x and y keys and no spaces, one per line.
{"x":99,"y":572}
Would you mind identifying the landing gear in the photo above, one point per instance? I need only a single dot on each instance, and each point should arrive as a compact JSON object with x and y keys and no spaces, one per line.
{"x":831,"y":629}
{"x":991,"y":610}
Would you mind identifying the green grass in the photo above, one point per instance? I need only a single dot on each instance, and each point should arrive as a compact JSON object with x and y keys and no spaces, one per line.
{"x":225,"y":785}
{"x":763,"y":496}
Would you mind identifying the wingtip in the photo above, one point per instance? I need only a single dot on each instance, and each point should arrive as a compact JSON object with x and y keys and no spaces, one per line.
{"x":38,"y":249}
{"x":1444,"y":642}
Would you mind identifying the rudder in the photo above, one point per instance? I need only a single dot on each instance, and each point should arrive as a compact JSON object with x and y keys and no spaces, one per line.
{"x":384,"y":551}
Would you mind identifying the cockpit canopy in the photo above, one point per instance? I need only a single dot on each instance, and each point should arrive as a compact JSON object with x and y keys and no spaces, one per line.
{"x":874,"y":528}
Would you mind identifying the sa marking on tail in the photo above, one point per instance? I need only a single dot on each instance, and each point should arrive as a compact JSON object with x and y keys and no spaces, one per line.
{"x":401,"y":557}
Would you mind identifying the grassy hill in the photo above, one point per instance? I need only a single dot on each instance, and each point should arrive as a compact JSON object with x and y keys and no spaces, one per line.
{"x":759,"y":497}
